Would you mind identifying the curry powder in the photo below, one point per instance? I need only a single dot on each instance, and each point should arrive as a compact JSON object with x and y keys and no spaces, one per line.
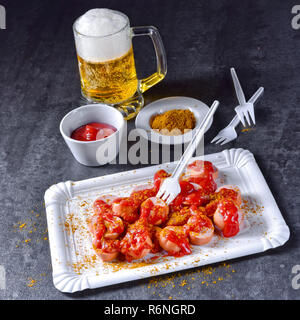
{"x":177,"y":120}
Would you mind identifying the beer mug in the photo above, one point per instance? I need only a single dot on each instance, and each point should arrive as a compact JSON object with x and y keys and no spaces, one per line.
{"x":103,"y":40}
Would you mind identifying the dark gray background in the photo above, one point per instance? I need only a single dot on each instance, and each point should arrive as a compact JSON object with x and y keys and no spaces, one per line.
{"x":39,"y":84}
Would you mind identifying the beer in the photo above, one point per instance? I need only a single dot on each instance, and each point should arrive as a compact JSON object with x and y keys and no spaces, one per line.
{"x":105,"y":56}
{"x":103,"y":40}
{"x":110,"y":81}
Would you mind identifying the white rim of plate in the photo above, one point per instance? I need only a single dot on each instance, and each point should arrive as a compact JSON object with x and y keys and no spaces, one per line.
{"x":142,"y":120}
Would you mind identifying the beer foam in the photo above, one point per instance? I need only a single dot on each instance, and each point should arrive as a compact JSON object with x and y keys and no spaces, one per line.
{"x":102,"y":35}
{"x":100,"y":22}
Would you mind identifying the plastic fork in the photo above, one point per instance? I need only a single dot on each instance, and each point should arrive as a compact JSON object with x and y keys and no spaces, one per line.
{"x":170,"y":188}
{"x":228,"y":133}
{"x":244,"y":109}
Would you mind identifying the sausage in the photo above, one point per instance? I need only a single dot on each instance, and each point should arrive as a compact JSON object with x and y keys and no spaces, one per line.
{"x":226,"y":218}
{"x":174,"y":240}
{"x":201,"y":229}
{"x":200,"y":168}
{"x":108,"y":250}
{"x":142,"y":193}
{"x":126,"y":209}
{"x":179,"y":218}
{"x":167,"y":244}
{"x":114,"y":228}
{"x":159,"y":177}
{"x":219,"y":220}
{"x":155,"y":211}
{"x":226,"y":191}
{"x":155,"y":239}
{"x":137,"y":242}
{"x":107,"y":256}
{"x":102,"y":207}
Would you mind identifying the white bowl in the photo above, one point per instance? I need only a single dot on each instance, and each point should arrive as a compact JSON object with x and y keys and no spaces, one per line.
{"x":99,"y":152}
{"x":160,"y":106}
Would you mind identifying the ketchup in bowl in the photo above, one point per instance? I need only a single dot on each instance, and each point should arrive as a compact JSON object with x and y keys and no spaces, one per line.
{"x":93,"y":131}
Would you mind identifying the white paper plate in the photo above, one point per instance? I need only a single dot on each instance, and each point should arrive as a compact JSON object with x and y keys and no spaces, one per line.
{"x":68,"y":204}
{"x":142,"y":120}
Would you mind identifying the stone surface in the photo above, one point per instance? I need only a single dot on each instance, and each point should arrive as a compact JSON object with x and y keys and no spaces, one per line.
{"x":39,"y":84}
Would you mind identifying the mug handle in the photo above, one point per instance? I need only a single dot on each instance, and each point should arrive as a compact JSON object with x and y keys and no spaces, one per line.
{"x":161,"y":58}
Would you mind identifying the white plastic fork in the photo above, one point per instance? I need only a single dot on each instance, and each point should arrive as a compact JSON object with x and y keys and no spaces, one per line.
{"x":228,"y":133}
{"x":244,"y":109}
{"x":170,"y":188}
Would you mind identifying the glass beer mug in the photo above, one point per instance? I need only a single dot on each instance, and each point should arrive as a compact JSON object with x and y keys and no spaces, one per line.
{"x":103,"y":40}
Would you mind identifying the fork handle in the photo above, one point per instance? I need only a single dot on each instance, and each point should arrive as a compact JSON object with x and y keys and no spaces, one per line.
{"x":234,"y":122}
{"x":256,"y":95}
{"x":194,"y":142}
{"x":238,"y":89}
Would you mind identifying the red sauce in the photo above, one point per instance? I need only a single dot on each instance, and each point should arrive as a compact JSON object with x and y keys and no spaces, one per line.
{"x":216,"y":197}
{"x":136,"y":225}
{"x":212,"y":207}
{"x":176,"y":204}
{"x":230,"y":213}
{"x":136,"y":240}
{"x":228,"y":194}
{"x":114,"y":224}
{"x":186,"y":187}
{"x":201,"y":168}
{"x":178,"y":236}
{"x":154,"y":237}
{"x":140,"y":196}
{"x":128,"y":211}
{"x":198,"y":198}
{"x":159,"y":177}
{"x":207,"y":184}
{"x":102,"y":208}
{"x":196,"y":223}
{"x":93,"y":131}
{"x":104,"y":221}
{"x":153,"y":213}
